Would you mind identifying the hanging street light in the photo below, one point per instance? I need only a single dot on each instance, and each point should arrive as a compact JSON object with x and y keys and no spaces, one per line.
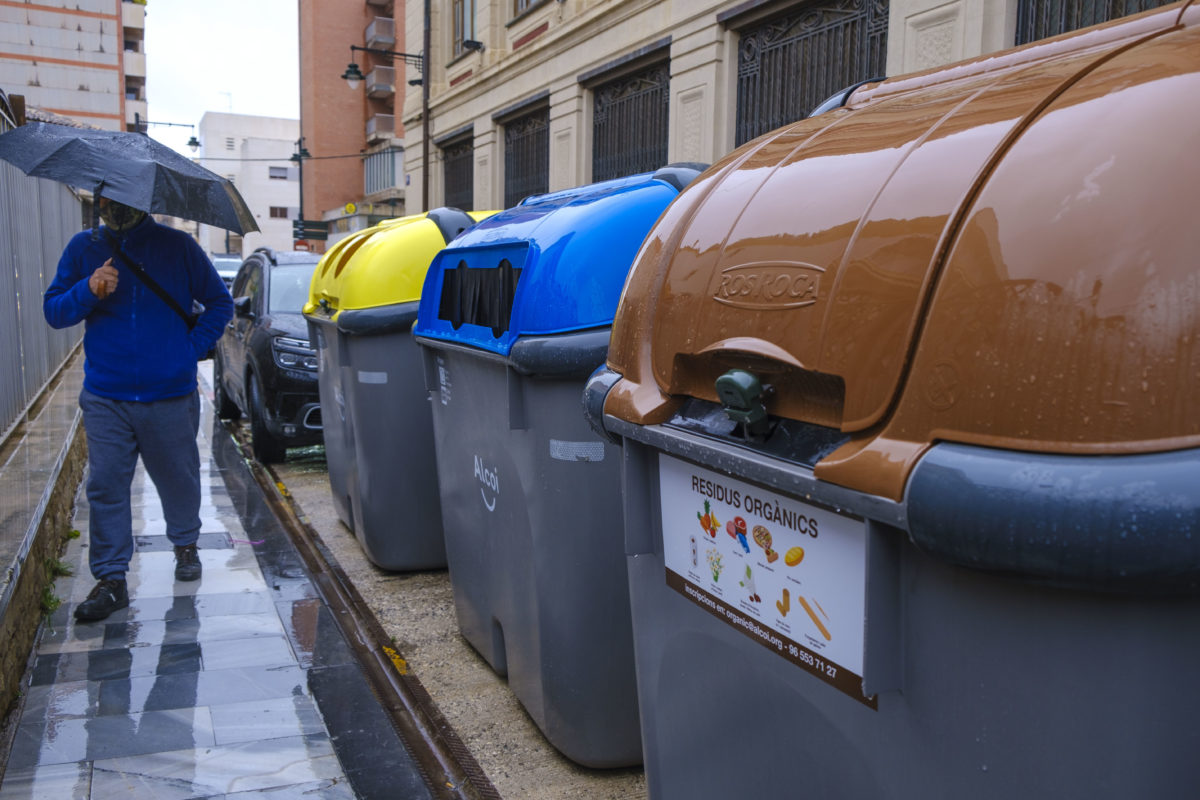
{"x":140,"y":124}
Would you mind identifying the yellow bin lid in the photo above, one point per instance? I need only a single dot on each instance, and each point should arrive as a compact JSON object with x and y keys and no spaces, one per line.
{"x":384,"y":264}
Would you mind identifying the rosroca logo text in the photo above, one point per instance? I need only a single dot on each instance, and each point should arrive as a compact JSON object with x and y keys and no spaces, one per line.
{"x":769,"y":286}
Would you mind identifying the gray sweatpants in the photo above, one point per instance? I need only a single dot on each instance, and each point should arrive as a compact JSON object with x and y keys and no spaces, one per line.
{"x":163,"y":433}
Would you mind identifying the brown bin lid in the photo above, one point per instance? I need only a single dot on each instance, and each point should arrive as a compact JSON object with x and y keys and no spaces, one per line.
{"x":999,"y":253}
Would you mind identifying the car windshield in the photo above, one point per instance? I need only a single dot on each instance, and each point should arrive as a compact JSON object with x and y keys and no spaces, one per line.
{"x":289,"y":287}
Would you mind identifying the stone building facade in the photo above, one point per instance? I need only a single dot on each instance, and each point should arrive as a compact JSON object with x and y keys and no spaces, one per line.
{"x":529,"y":96}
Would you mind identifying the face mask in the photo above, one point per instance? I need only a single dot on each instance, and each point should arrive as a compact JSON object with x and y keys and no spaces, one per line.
{"x":120,"y":217}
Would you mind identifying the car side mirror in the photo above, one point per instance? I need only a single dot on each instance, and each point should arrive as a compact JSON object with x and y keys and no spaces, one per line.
{"x":241,"y":307}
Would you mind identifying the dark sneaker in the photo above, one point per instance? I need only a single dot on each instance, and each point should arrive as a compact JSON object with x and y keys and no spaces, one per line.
{"x":106,"y":597}
{"x":187,"y":563}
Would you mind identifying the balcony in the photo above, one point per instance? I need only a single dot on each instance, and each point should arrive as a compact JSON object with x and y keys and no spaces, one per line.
{"x":133,"y":110}
{"x":135,"y":64}
{"x":133,"y":15}
{"x":380,"y":127}
{"x":383,"y":174}
{"x":381,"y":33}
{"x":381,"y":82}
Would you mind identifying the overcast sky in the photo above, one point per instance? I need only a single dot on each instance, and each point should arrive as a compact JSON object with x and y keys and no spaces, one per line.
{"x":238,"y":56}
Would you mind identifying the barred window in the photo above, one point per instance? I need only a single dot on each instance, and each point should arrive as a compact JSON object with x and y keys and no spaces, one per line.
{"x":458,"y":172}
{"x":526,"y":156}
{"x":1041,"y":19}
{"x":789,"y":65}
{"x":629,"y":124}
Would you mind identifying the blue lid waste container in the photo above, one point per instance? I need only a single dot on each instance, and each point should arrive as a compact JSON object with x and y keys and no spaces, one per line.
{"x":378,"y":441}
{"x":909,"y":401}
{"x":514,"y":315}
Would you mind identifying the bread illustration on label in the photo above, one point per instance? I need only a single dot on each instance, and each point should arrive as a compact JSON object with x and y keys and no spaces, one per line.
{"x":793,"y":556}
{"x":816,"y":620}
{"x":784,"y":605}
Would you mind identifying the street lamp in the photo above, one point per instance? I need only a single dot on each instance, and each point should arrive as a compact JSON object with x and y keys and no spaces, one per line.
{"x":140,"y":125}
{"x":354,"y":76}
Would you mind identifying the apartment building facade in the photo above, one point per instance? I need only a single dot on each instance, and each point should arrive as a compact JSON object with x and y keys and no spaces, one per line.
{"x":256,"y":154}
{"x":354,"y":175}
{"x":83,"y":59}
{"x":528,"y":96}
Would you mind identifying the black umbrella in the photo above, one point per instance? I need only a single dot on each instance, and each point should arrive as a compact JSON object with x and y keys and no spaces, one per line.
{"x":130,"y":168}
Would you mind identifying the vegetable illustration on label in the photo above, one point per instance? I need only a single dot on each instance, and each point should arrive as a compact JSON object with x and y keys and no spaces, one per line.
{"x":708,"y":520}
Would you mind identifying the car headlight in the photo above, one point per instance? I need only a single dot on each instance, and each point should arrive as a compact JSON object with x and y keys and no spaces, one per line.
{"x":294,"y":353}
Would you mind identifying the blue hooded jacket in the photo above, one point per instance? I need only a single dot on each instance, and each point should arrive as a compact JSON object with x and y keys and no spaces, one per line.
{"x":136,"y":347}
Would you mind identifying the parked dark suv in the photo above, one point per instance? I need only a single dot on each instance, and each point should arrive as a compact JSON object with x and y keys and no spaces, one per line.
{"x":264,"y":366}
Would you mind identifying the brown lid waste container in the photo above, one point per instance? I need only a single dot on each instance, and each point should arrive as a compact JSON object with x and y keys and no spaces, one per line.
{"x":1000,"y":253}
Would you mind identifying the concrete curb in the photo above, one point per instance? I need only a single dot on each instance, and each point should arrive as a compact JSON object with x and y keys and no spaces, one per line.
{"x":30,"y":570}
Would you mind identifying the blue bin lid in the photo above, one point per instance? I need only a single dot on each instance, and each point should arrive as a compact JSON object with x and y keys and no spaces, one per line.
{"x":555,"y":263}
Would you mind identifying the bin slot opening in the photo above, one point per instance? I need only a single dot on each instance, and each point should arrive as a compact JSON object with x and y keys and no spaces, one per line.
{"x":797,"y":393}
{"x":479,"y":295}
{"x":789,"y":440}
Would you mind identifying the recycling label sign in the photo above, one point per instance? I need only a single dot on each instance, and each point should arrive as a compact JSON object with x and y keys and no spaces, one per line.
{"x":788,"y":574}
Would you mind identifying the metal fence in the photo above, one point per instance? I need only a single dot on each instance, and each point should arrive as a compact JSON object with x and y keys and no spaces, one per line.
{"x":37,"y":218}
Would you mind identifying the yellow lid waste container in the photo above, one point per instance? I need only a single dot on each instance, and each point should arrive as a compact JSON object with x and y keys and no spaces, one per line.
{"x":378,"y":444}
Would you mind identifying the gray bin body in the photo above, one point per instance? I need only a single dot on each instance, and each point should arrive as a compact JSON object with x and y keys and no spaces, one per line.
{"x":986,"y":685}
{"x":337,"y":430}
{"x":532,"y":511}
{"x":380,"y":452}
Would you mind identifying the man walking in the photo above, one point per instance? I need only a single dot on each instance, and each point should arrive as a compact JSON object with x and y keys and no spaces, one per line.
{"x":139,"y":390}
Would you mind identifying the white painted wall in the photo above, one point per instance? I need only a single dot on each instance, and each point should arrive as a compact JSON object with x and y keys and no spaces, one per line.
{"x":244,"y":148}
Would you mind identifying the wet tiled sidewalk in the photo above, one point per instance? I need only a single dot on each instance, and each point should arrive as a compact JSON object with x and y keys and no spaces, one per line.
{"x":238,"y":685}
